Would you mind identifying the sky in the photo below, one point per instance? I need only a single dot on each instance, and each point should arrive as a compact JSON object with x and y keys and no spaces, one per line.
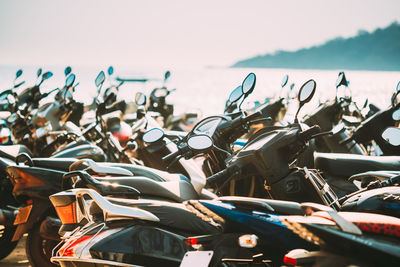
{"x":181,"y":33}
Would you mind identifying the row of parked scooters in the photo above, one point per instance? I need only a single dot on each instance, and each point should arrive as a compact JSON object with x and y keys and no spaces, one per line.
{"x":114,"y":184}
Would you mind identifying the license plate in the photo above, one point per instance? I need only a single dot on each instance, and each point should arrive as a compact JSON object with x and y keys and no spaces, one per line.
{"x":23,"y":215}
{"x":197,"y":259}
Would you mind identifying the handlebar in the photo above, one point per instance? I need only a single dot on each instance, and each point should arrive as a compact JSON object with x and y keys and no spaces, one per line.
{"x":307,"y":134}
{"x":218,"y":177}
{"x":171,"y":156}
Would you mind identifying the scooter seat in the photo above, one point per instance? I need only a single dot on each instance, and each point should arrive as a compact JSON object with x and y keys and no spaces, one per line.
{"x":12,"y":151}
{"x":154,"y":174}
{"x":61,"y":164}
{"x":269,"y":205}
{"x":177,"y":191}
{"x":174,"y":215}
{"x":346,"y":165}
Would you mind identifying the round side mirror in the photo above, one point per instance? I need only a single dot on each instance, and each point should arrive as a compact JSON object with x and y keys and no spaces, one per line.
{"x":100,"y":79}
{"x":18,"y":74}
{"x":236,"y":94}
{"x":392,"y":136}
{"x":248,"y":84}
{"x":47,"y":75}
{"x":167,"y":75}
{"x":396,"y":115}
{"x":284,"y":80}
{"x":153,"y":135}
{"x":67,"y":71}
{"x":341,"y":80}
{"x":110,"y":70}
{"x":291,"y":87}
{"x":307,"y":91}
{"x":200,"y":142}
{"x":39,"y":72}
{"x":140,"y":99}
{"x":70,"y":80}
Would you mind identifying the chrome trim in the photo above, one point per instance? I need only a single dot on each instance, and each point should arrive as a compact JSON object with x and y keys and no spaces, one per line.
{"x":113,"y":211}
{"x":100,"y":169}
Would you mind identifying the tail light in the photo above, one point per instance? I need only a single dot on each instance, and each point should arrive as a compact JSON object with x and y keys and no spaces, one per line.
{"x":67,"y":214}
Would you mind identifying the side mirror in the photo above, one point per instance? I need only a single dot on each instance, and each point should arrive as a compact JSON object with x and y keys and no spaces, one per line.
{"x":110,"y":70}
{"x":70,"y":80}
{"x":39,"y":72}
{"x":392,"y":136}
{"x":306,"y":93}
{"x":236,"y":94}
{"x":140,"y":99}
{"x":396,"y":115}
{"x":291,"y":87}
{"x":248,"y":84}
{"x":341,"y":80}
{"x":200,"y":142}
{"x":153,"y":135}
{"x":67,"y":71}
{"x":167,"y":75}
{"x":284,"y":80}
{"x":47,"y":75}
{"x":398,"y":87}
{"x":18,"y":74}
{"x":100,"y":79}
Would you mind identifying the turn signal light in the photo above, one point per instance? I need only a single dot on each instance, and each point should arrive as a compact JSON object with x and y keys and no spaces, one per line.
{"x":67,"y":214}
{"x":248,"y":241}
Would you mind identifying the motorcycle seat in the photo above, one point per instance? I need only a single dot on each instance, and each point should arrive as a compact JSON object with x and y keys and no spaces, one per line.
{"x":61,"y":164}
{"x":346,"y":165}
{"x":12,"y":151}
{"x":269,"y":205}
{"x":154,"y":174}
{"x":177,"y":191}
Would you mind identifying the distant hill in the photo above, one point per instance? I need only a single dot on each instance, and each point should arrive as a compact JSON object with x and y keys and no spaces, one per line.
{"x":379,"y":50}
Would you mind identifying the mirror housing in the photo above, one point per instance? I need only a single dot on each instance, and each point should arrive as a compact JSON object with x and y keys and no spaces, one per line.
{"x":70,"y":80}
{"x":67,"y":71}
{"x":153,"y":135}
{"x":200,"y":143}
{"x":284,"y":80}
{"x":39,"y":72}
{"x":100,"y":79}
{"x":392,"y":136}
{"x":167,"y":74}
{"x":140,"y":99}
{"x":18,"y":74}
{"x":306,"y":93}
{"x":249,"y":83}
{"x":396,"y":115}
{"x":110,"y":70}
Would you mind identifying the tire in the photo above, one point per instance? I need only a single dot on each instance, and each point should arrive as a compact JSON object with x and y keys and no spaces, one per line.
{"x":38,"y":249}
{"x":6,"y":246}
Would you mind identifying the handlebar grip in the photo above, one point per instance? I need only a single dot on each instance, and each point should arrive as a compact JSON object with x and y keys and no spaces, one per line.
{"x":219,"y":176}
{"x":171,"y":156}
{"x":307,"y":134}
{"x":255,"y":115}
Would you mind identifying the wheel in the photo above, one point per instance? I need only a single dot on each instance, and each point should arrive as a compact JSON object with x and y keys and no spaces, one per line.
{"x":39,"y":249}
{"x":6,"y":246}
